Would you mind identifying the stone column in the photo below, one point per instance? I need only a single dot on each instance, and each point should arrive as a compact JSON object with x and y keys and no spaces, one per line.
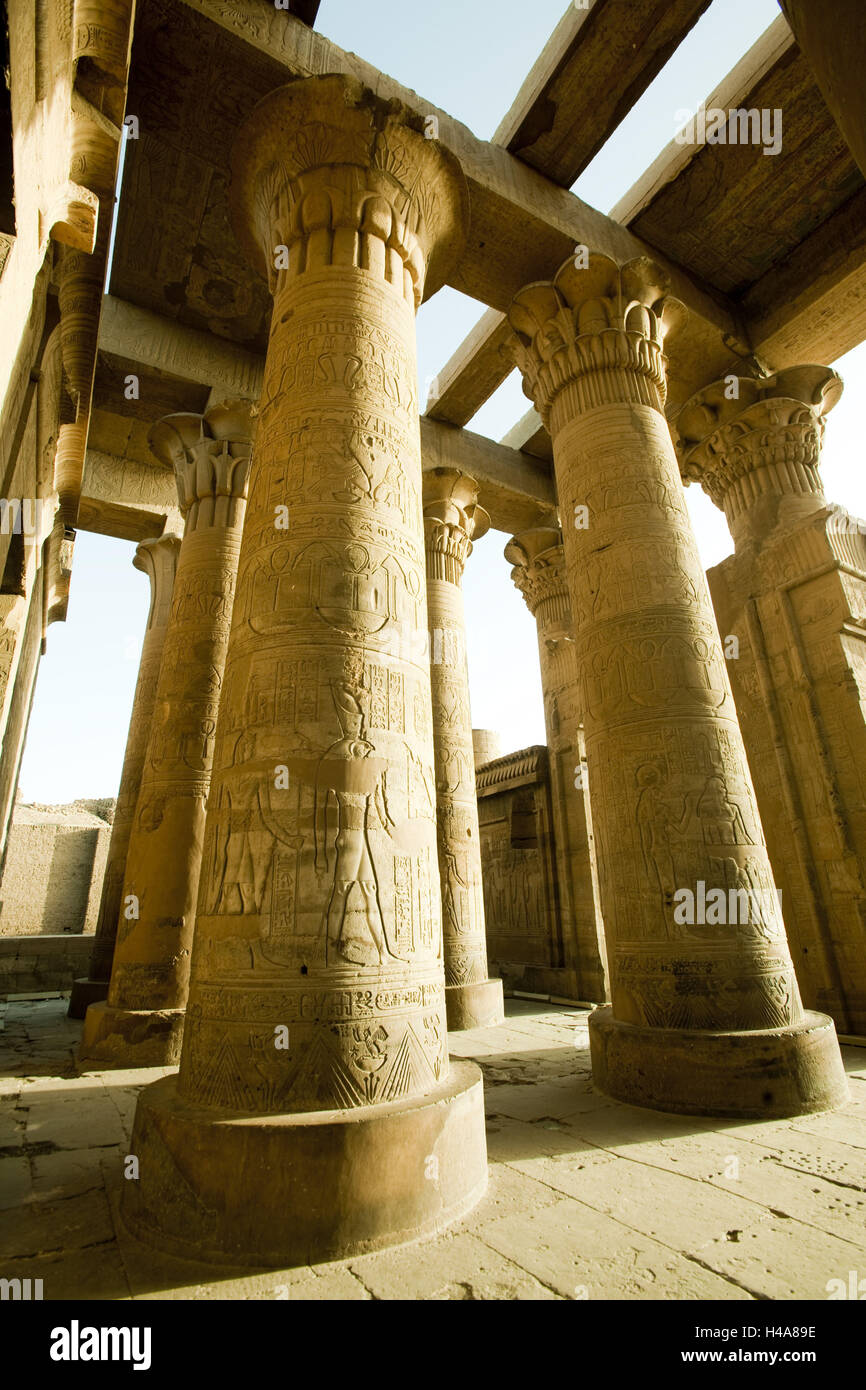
{"x":539,"y":573}
{"x":486,"y":745}
{"x":706,"y":1016}
{"x":141,"y":1024}
{"x":452,"y":519}
{"x":157,"y":558}
{"x":790,"y":604}
{"x":316,"y":1018}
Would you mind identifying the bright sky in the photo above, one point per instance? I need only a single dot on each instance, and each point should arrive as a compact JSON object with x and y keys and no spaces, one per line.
{"x":86,"y":682}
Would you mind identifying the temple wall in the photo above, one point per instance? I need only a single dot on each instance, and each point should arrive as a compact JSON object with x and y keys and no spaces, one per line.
{"x":521,"y":894}
{"x":797,"y":609}
{"x":55,"y":860}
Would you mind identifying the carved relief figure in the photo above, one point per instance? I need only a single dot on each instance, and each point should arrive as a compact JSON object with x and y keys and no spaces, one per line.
{"x":355,"y":780}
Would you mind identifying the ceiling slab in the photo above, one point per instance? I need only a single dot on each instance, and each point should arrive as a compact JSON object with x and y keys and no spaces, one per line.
{"x":598,"y":62}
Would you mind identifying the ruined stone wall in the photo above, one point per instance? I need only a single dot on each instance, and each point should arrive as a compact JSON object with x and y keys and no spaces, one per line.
{"x":55,"y":861}
{"x":39,"y":964}
{"x":521,"y":894}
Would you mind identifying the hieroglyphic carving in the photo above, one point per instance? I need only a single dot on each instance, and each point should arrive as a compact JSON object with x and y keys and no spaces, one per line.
{"x":792,"y":597}
{"x":672,"y":802}
{"x":158,"y":560}
{"x":578,"y":940}
{"x":210,"y":455}
{"x":453,"y":520}
{"x":319,"y":903}
{"x":520,"y":889}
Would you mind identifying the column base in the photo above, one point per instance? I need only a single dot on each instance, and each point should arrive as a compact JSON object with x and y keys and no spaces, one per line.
{"x":292,"y":1189}
{"x":130,"y":1038}
{"x":474,"y":1006}
{"x":84,"y":993}
{"x":758,"y":1075}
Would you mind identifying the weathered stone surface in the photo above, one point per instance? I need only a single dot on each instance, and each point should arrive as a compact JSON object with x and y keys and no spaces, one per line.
{"x":52,"y":874}
{"x":521,"y":900}
{"x":791,"y":603}
{"x":539,"y":573}
{"x":673,"y":808}
{"x":142,"y":1021}
{"x":317,"y":981}
{"x":595,"y":1201}
{"x":42,"y":963}
{"x":157,"y":558}
{"x":486,"y":745}
{"x":452,"y":520}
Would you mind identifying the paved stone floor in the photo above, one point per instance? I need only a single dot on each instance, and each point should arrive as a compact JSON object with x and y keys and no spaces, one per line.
{"x":588,"y":1199}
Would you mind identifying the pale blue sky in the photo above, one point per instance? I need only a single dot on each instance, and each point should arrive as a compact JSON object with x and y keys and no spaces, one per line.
{"x":469,"y":59}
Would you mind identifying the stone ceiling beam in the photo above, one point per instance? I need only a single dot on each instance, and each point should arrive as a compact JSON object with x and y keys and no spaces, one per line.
{"x":513,"y":490}
{"x":522,"y":225}
{"x":305,"y":10}
{"x":529,"y":436}
{"x":473,"y":373}
{"x":832,"y":37}
{"x":731,"y":92}
{"x":128,"y":331}
{"x":597,"y":63}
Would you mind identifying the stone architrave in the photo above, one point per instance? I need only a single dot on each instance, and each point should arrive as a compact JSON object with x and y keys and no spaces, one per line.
{"x":790,"y":604}
{"x":539,"y":573}
{"x":315,"y":1048}
{"x":157,"y":558}
{"x":706,"y":1016}
{"x":141,"y":1024}
{"x":452,"y":520}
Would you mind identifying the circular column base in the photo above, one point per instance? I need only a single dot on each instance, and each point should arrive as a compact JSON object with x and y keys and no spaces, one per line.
{"x":474,"y":1006}
{"x":84,"y":993}
{"x":291,"y":1189}
{"x":130,"y":1037}
{"x":755,"y":1075}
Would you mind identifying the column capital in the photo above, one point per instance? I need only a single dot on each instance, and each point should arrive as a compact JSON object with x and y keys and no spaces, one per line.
{"x":210,"y":455}
{"x":157,"y":558}
{"x":596,"y":334}
{"x":539,"y":573}
{"x":452,"y":521}
{"x":752,"y":442}
{"x":340,"y":177}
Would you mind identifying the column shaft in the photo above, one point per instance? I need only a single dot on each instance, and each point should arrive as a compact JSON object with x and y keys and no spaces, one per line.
{"x":787,"y":602}
{"x":316,"y":1003}
{"x":539,"y":573}
{"x":680,"y":848}
{"x":142,"y":1022}
{"x":158,"y":560}
{"x":452,"y":518}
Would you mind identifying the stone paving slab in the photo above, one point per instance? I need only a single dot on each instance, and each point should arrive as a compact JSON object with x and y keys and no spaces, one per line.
{"x":588,"y":1199}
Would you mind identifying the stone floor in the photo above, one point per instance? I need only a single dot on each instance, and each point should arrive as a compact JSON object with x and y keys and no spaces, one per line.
{"x":588,"y":1199}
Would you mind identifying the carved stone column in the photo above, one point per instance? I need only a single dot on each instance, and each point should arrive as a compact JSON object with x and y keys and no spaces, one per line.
{"x":157,"y":559}
{"x":142,"y":1022}
{"x":790,"y":605}
{"x":539,"y":573}
{"x":706,"y":1015}
{"x":452,"y":519}
{"x":316,"y":1020}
